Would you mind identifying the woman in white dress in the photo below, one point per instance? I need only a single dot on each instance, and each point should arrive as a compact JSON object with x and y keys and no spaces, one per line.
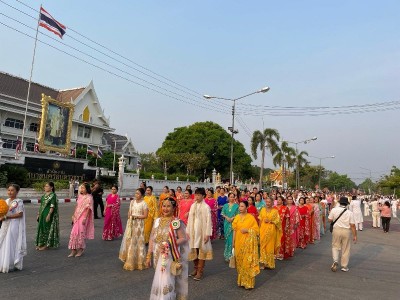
{"x":366,"y":207}
{"x":355,"y":207}
{"x":133,"y":248}
{"x":12,"y":233}
{"x":170,"y":249}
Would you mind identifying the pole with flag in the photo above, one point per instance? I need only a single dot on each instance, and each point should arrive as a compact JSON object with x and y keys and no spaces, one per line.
{"x":89,"y":151}
{"x":45,"y":20}
{"x":18,"y":148}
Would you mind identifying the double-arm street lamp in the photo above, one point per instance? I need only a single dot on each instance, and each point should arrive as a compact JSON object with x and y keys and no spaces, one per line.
{"x":232,"y":129}
{"x":320,"y":166}
{"x":297,"y":158}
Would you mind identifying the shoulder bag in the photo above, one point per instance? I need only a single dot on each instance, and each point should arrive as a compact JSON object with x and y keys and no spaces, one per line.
{"x":333,"y":222}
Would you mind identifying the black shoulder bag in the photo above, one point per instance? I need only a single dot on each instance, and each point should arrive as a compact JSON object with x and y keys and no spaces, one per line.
{"x":333,"y":222}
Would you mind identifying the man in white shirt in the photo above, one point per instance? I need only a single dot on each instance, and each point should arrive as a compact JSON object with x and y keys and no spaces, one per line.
{"x":199,"y":231}
{"x":376,"y":214}
{"x":394,"y":204}
{"x":342,"y":229}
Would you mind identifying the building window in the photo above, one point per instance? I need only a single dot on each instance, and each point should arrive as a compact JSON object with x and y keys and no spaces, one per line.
{"x":30,"y":147}
{"x":86,"y":115}
{"x":84,"y":131}
{"x":9,"y":144}
{"x":33,"y":127}
{"x":14,"y":123}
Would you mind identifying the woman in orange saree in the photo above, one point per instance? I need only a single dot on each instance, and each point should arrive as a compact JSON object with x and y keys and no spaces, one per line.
{"x":245,"y":251}
{"x":270,"y":234}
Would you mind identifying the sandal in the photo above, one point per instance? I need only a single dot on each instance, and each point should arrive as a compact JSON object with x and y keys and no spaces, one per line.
{"x":79,"y":253}
{"x":72,"y":254}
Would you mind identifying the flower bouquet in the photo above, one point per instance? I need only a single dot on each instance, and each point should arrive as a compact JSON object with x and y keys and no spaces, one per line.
{"x":164,"y":255}
{"x":3,"y":208}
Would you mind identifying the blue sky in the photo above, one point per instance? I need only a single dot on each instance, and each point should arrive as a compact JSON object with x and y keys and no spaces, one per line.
{"x":310,"y":53}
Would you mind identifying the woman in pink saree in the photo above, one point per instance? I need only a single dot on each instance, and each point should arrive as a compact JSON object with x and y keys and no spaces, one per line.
{"x":213,"y":204}
{"x":82,"y":222}
{"x":112,"y":221}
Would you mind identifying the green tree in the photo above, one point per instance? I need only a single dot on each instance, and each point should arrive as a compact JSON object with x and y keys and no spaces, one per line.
{"x":150,"y":162}
{"x":367,"y":185}
{"x":194,"y":161}
{"x":211,"y":140}
{"x":268,"y":139}
{"x":285,"y":157}
{"x":106,"y":161}
{"x":390,"y":183}
{"x":335,"y":181}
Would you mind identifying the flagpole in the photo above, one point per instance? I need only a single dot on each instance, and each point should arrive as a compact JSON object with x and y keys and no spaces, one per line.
{"x":87,"y":147}
{"x":30,"y":81}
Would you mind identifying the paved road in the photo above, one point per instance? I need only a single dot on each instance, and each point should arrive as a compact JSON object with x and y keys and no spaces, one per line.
{"x":374,"y":271}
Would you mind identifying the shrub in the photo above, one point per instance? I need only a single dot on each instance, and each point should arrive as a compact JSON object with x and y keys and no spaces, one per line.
{"x":3,"y":179}
{"x":16,"y":174}
{"x":58,"y":184}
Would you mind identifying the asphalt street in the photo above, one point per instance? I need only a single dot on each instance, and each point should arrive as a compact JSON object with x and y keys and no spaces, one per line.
{"x":98,"y":274}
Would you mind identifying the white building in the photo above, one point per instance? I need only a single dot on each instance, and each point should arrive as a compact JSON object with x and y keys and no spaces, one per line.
{"x":89,"y":125}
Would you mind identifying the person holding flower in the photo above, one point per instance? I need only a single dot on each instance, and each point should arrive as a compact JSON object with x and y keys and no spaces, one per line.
{"x":48,"y":230}
{"x":12,"y":233}
{"x":169,"y":249}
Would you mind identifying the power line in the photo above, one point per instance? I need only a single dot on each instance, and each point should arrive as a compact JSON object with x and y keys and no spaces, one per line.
{"x":191,"y":92}
{"x":108,"y":71}
{"x":101,"y":61}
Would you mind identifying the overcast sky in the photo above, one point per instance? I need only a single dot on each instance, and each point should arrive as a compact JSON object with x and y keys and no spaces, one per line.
{"x":310,"y":53}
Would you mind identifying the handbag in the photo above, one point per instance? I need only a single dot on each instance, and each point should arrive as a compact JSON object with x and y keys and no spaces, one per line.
{"x":176,"y":268}
{"x":232,"y":260}
{"x":333,"y":222}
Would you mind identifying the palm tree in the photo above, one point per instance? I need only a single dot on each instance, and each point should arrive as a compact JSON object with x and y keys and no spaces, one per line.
{"x":269,"y":139}
{"x":300,"y":162}
{"x":285,"y":156}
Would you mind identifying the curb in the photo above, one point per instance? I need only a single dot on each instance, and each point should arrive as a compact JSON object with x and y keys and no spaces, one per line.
{"x":66,"y":200}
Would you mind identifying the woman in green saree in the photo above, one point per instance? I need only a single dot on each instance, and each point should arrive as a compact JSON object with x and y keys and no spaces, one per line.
{"x":48,"y":231}
{"x":229,"y":211}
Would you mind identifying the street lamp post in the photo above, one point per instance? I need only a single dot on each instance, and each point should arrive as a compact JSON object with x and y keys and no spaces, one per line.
{"x":297,"y":158}
{"x":115,"y":146}
{"x":320,"y":166}
{"x":232,"y":129}
{"x":370,"y":178}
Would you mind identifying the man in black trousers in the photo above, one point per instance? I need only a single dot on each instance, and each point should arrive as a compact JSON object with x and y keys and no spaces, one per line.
{"x":97,"y":193}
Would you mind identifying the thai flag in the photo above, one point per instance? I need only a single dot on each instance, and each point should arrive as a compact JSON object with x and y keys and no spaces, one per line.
{"x":48,"y":22}
{"x":89,"y":150}
{"x":19,"y":146}
{"x":73,"y":152}
{"x":139,"y":165}
{"x":36,"y":147}
{"x":99,"y":153}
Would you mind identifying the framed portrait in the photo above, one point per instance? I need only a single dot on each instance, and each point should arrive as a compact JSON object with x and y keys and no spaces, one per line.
{"x":55,"y":125}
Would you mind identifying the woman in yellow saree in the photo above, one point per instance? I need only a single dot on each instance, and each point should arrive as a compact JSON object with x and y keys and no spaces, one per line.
{"x":245,"y":241}
{"x":270,"y":234}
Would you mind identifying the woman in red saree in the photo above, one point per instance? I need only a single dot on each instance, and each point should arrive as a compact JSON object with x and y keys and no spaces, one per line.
{"x":284,"y":216}
{"x":252,"y":209}
{"x":302,"y":229}
{"x":184,"y":205}
{"x":112,"y":221}
{"x":294,"y":220}
{"x":310,"y":227}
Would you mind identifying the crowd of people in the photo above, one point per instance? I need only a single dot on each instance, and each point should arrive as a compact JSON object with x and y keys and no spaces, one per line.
{"x":257,"y":227}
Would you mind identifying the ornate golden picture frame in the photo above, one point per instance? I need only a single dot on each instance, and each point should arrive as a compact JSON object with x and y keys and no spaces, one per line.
{"x":55,"y":125}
